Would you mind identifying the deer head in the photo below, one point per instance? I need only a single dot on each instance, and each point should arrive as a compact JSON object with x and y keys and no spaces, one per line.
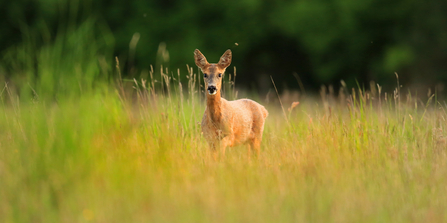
{"x":212,"y":73}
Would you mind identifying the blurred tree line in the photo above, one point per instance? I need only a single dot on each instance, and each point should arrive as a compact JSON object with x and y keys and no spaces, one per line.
{"x":320,"y":41}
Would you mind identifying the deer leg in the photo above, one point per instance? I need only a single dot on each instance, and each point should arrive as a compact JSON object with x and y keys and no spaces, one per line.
{"x":257,"y":129}
{"x":223,"y":150}
{"x":249,"y":150}
{"x":223,"y":145}
{"x":255,"y":145}
{"x":213,"y":149}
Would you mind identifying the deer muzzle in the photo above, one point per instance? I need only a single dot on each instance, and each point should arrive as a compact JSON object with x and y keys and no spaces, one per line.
{"x":212,"y":90}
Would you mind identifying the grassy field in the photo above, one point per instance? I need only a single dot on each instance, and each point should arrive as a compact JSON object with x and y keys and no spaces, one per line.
{"x":137,"y":155}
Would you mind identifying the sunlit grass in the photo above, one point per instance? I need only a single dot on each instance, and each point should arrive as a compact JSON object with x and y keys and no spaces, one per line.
{"x":74,"y":149}
{"x":138,"y":156}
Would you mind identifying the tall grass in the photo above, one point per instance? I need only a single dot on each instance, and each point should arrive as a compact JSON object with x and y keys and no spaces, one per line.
{"x":74,"y":60}
{"x":138,"y":156}
{"x":133,"y":151}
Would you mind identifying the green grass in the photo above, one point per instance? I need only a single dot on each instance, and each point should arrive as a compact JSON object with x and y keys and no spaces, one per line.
{"x":106,"y":157}
{"x":75,"y":148}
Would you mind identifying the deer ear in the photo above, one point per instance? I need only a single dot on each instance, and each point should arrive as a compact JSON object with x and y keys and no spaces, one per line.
{"x":200,"y":59}
{"x":225,"y":60}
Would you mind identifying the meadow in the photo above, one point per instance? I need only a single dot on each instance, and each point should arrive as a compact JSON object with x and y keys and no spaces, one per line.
{"x":133,"y":152}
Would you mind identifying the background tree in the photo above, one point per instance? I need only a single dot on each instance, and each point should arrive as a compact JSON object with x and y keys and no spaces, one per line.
{"x":323,"y":41}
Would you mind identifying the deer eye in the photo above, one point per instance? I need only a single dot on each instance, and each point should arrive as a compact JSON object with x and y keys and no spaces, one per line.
{"x":205,"y":75}
{"x":220,"y":75}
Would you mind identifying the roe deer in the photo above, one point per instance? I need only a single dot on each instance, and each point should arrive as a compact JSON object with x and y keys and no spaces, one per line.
{"x":228,"y":123}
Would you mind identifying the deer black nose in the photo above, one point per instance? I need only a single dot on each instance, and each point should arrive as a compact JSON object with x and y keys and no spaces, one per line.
{"x":212,"y":90}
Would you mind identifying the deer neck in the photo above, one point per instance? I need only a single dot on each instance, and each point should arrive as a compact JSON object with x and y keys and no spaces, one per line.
{"x":214,"y":107}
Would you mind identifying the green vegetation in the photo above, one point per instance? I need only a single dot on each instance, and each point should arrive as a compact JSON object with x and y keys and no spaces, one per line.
{"x":322,"y":41}
{"x":138,"y":155}
{"x":81,"y":141}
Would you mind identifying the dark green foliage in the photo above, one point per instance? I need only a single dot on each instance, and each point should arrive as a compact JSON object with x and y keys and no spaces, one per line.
{"x":321,"y":40}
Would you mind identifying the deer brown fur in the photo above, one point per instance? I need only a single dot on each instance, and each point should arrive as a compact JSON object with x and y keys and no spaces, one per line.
{"x":228,"y":123}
